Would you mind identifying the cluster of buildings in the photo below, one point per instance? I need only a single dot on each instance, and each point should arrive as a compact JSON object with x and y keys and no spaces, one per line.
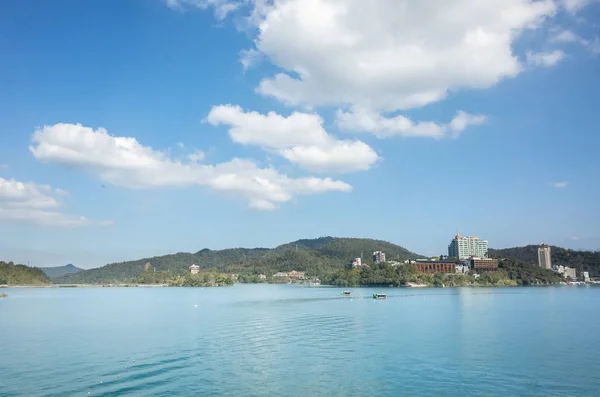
{"x":545,"y":262}
{"x":464,"y":254}
{"x":293,"y":274}
{"x":378,"y":257}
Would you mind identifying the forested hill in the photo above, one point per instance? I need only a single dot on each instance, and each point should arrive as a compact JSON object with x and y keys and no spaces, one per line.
{"x":583,"y":261}
{"x":12,"y":274}
{"x":315,"y":256}
{"x":58,"y":271}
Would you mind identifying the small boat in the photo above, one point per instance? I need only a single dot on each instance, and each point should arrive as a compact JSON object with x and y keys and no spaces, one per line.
{"x":379,"y":296}
{"x":347,"y":293}
{"x":4,"y":295}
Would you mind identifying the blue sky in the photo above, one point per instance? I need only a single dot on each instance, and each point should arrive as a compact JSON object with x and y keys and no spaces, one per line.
{"x":143,"y":127}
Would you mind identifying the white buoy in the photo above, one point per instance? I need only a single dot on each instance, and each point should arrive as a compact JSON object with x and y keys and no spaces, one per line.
{"x":100,"y":382}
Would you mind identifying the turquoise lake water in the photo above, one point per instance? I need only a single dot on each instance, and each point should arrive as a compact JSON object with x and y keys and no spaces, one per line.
{"x":269,"y":340}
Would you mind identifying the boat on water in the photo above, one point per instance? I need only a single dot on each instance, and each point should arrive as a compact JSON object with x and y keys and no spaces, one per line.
{"x":347,"y":293}
{"x":4,"y":295}
{"x":379,"y":296}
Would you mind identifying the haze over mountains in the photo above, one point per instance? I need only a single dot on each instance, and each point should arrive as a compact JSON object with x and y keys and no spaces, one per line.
{"x":57,"y":271}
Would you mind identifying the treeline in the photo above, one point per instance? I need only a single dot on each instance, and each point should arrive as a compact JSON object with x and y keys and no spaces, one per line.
{"x":385,"y":275}
{"x":200,"y":279}
{"x":11,"y":274}
{"x":582,"y":261}
{"x":527,"y":274}
{"x":510,"y":273}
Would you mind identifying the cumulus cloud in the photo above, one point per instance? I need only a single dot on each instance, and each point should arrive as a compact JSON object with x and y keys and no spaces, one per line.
{"x":36,"y":204}
{"x":545,"y":58}
{"x":365,"y":120}
{"x":559,"y":185}
{"x":124,"y":162}
{"x":300,"y":138}
{"x":390,"y":54}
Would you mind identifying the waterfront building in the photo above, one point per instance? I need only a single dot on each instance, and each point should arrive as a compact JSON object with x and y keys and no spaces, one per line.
{"x":544,"y":257}
{"x":378,"y":257}
{"x":484,"y":264}
{"x":295,"y":274}
{"x":463,"y":247}
{"x":280,"y":274}
{"x":194,"y":269}
{"x":262,"y":276}
{"x":462,"y":269}
{"x":429,"y":266}
{"x":586,"y":277}
{"x":570,"y":272}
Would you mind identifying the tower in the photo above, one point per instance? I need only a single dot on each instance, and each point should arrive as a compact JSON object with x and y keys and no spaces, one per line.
{"x":544,"y":257}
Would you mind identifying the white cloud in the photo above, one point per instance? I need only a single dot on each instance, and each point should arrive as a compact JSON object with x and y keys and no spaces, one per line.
{"x":566,"y":36}
{"x":4,"y":166}
{"x":575,"y":238}
{"x":34,"y":204}
{"x":559,"y":185}
{"x":573,"y":6}
{"x":250,"y":58}
{"x":365,"y":120}
{"x":221,"y":7}
{"x":124,"y":162}
{"x":300,"y":138}
{"x":545,"y":58}
{"x":389,"y":54}
{"x":196,"y":156}
{"x":181,"y":145}
{"x":463,"y":119}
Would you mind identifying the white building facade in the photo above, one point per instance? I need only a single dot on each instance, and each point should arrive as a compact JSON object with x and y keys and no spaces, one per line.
{"x":463,"y":247}
{"x":544,"y":257}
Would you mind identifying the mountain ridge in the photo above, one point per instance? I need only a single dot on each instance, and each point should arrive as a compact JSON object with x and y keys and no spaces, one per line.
{"x":305,"y":254}
{"x":57,"y":271}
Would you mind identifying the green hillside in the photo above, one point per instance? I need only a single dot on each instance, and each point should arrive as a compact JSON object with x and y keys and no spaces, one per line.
{"x":58,"y":271}
{"x":12,"y":274}
{"x":583,"y":261}
{"x":315,"y":256}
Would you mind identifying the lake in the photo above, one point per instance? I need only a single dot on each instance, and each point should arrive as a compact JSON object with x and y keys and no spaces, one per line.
{"x":286,"y":340}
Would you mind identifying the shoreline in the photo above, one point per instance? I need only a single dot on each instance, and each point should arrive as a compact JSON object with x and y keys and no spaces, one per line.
{"x":410,"y":285}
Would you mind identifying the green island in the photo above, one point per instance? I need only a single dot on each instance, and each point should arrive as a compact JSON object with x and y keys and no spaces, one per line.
{"x":323,"y":260}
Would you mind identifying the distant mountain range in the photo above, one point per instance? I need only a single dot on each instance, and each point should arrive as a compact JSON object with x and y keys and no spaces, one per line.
{"x":58,"y":271}
{"x":583,"y":261}
{"x":314,"y":256}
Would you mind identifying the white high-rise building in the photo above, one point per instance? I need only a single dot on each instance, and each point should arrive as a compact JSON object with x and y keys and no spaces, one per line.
{"x":544,"y":258}
{"x":463,"y":247}
{"x":378,"y":257}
